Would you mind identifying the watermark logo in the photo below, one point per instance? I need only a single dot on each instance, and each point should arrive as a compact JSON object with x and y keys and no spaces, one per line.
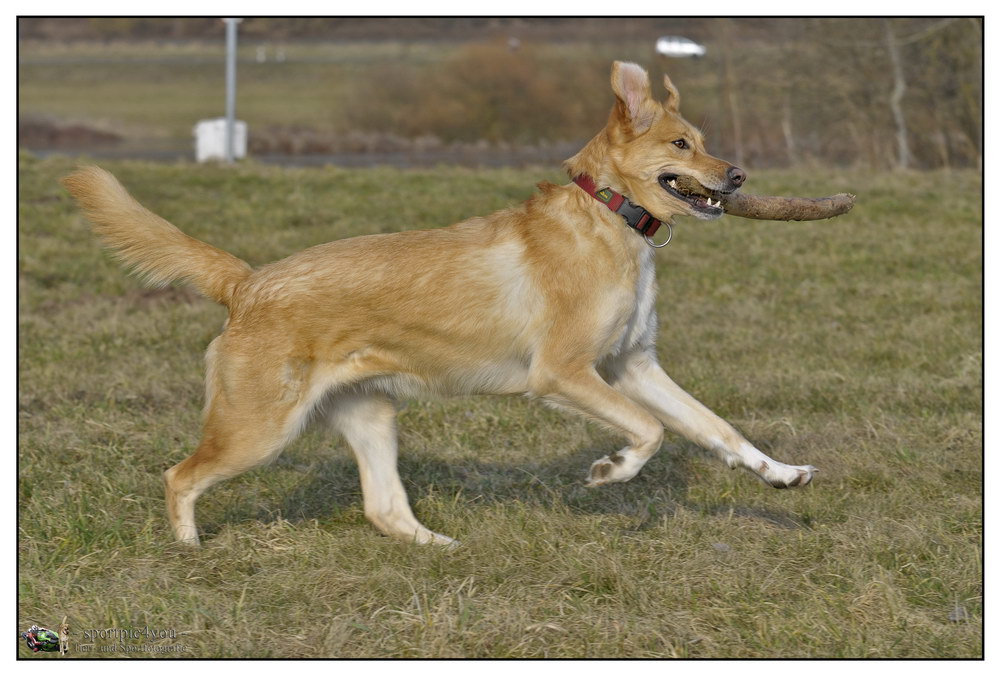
{"x":130,"y":640}
{"x":43,"y":639}
{"x":127,"y":641}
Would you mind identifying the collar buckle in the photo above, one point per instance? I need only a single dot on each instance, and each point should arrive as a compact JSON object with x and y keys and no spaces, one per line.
{"x":637,"y":217}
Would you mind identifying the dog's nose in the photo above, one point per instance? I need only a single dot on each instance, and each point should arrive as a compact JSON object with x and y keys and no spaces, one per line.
{"x":737,"y":176}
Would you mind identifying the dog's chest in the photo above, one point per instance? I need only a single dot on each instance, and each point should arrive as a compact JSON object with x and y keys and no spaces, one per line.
{"x":639,"y":327}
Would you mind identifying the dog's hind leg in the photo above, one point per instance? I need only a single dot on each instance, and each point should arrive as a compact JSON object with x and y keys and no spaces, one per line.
{"x":244,"y":427}
{"x":368,"y":423}
{"x":229,"y":446}
{"x":640,"y":378}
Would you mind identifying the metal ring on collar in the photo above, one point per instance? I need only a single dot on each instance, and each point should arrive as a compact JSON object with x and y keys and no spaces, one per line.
{"x":670,"y":235}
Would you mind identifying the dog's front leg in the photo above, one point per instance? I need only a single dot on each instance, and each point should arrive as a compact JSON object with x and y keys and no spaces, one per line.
{"x":584,"y":391}
{"x":640,"y":377}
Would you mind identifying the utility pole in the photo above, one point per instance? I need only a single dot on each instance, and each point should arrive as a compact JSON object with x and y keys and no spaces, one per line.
{"x":231,"y":88}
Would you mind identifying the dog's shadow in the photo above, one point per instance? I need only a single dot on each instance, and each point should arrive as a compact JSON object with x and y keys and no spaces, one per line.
{"x":331,"y":485}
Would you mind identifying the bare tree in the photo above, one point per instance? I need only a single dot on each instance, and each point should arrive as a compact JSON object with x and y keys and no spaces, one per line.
{"x":895,"y":101}
{"x":729,"y":87}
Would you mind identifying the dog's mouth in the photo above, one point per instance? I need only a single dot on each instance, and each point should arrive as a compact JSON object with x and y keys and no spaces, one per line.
{"x":692,"y":193}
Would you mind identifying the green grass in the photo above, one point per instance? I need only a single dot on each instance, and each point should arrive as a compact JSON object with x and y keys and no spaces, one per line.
{"x":852,"y":344}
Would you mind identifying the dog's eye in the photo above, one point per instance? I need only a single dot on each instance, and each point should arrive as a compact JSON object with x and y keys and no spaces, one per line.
{"x":680,"y":143}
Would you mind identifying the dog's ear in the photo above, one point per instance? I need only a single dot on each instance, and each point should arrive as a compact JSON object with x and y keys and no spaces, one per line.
{"x":672,"y":103}
{"x":635,"y":108}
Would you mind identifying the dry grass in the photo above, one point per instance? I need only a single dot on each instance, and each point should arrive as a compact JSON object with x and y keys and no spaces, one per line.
{"x":853,"y":344}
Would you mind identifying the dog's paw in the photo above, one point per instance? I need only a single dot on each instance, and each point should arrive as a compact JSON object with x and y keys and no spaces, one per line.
{"x":613,"y":468}
{"x":187,"y":536}
{"x":781,"y":476}
{"x":600,"y":471}
{"x":428,"y":537}
{"x":445,"y":542}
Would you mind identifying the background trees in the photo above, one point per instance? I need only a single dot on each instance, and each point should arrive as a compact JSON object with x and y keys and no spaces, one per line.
{"x":879,"y":93}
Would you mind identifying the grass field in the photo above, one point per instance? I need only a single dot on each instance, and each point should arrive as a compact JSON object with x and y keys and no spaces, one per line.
{"x":854,"y":345}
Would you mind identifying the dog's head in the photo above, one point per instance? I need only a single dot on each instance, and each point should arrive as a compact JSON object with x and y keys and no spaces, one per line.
{"x":652,"y":155}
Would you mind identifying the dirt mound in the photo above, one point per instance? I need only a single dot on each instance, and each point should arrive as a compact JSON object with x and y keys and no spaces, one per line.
{"x":295,"y":140}
{"x":40,"y":133}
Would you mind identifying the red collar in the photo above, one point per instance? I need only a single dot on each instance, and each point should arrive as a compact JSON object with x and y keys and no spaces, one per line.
{"x":634,"y":215}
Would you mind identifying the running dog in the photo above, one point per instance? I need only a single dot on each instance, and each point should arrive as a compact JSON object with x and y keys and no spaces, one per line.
{"x":553,"y":299}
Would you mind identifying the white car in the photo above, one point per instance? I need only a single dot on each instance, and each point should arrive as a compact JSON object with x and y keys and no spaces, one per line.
{"x":672,"y":45}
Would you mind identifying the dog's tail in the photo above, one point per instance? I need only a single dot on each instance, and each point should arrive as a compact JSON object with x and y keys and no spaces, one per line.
{"x":152,"y":246}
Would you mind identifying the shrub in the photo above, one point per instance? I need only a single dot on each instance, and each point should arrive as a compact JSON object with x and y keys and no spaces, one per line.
{"x":486,"y":91}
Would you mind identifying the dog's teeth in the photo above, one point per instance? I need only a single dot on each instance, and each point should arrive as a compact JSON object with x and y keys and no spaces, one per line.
{"x":673,"y":184}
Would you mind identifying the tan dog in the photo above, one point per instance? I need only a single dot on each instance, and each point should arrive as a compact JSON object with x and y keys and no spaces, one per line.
{"x":553,"y":299}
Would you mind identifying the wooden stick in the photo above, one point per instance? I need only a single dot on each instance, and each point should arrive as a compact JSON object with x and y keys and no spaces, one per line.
{"x":787,"y":208}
